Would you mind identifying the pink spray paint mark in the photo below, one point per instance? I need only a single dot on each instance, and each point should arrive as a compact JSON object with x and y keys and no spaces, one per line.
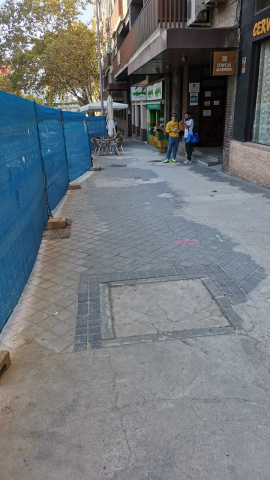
{"x":191,"y":241}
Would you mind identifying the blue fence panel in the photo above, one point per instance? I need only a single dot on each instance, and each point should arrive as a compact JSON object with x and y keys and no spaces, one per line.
{"x":53,"y":153}
{"x":96,"y":128}
{"x":77,"y":144}
{"x":23,"y":211}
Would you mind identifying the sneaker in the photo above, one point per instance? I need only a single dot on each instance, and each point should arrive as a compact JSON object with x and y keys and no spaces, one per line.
{"x":173,"y":160}
{"x":186,"y":161}
{"x":166,"y":161}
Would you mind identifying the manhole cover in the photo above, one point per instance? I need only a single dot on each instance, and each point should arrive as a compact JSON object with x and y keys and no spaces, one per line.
{"x":163,"y":307}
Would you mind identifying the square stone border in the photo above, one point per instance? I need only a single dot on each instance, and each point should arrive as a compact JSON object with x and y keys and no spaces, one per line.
{"x":94,"y":327}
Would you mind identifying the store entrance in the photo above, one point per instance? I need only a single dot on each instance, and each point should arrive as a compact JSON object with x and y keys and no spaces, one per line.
{"x":212,"y":109}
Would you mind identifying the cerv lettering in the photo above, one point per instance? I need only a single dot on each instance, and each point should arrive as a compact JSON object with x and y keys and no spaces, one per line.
{"x":261,"y":27}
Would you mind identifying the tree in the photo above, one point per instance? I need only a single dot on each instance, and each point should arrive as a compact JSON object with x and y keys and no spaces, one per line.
{"x":50,"y":50}
{"x":71,"y":62}
{"x":5,"y":84}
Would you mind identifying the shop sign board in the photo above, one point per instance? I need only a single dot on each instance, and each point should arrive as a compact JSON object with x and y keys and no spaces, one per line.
{"x":261,"y":27}
{"x":153,"y":106}
{"x":224,"y":63}
{"x":154,"y":92}
{"x":138,"y":93}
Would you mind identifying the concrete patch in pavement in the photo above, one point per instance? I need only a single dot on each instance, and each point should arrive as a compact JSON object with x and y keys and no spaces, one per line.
{"x":163,"y":307}
{"x":145,"y":307}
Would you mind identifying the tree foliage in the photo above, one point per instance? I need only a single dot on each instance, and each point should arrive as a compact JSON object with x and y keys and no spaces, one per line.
{"x":50,"y":51}
{"x":5,"y":84}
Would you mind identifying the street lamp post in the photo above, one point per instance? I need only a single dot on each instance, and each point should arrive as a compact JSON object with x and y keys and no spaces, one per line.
{"x":99,"y":59}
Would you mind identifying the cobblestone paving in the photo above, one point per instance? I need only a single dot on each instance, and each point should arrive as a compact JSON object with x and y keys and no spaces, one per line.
{"x":135,"y":230}
{"x":138,"y":237}
{"x":124,"y":227}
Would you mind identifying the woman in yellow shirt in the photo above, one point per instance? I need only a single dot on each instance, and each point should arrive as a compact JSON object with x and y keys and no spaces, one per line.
{"x":172,"y":128}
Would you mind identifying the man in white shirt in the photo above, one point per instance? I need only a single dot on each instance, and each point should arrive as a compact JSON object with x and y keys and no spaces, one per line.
{"x":188,"y":125}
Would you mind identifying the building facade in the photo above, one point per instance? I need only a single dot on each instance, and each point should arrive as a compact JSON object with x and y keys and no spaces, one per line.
{"x":250,"y":147}
{"x":164,"y":57}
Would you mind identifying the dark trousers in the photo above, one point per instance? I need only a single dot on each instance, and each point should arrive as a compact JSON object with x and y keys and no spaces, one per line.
{"x":188,"y":150}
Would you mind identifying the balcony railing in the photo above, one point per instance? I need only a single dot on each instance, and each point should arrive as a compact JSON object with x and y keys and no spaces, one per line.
{"x":155,"y":14}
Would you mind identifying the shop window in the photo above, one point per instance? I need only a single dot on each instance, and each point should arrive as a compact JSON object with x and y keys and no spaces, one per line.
{"x":261,"y":5}
{"x":261,"y":125}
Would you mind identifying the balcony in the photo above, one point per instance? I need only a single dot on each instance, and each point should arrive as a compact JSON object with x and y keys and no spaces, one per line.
{"x":155,"y":14}
{"x":117,"y":15}
{"x":159,"y":30}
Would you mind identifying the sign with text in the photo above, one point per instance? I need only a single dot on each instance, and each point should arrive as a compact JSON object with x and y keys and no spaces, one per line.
{"x":138,"y":93}
{"x":261,"y":27}
{"x":224,"y":63}
{"x":154,"y":91}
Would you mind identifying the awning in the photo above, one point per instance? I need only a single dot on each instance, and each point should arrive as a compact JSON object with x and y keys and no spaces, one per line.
{"x":96,"y":107}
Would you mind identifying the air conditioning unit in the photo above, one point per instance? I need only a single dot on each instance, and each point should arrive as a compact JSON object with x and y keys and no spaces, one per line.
{"x":197,"y":14}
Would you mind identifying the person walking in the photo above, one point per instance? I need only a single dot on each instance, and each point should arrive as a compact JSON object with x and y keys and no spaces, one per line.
{"x":173,"y":129}
{"x":188,"y":125}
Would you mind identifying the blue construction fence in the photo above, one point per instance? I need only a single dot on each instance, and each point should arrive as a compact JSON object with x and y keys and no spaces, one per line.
{"x":41,"y":150}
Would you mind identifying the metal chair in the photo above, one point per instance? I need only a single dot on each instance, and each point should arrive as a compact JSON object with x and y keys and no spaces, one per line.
{"x":100,"y":146}
{"x":119,"y":144}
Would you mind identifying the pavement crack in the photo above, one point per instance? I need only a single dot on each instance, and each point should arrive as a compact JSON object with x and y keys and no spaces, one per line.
{"x":162,"y":309}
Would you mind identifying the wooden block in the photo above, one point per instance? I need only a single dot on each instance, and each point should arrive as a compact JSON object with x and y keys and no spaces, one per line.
{"x":95,"y":169}
{"x":74,"y":186}
{"x":54,"y":223}
{"x":4,"y":360}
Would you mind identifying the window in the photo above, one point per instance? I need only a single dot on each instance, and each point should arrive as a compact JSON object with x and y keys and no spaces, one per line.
{"x":261,"y":125}
{"x":261,"y":5}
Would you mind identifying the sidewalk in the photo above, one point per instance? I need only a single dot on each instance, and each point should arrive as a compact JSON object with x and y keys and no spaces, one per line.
{"x":140,"y":346}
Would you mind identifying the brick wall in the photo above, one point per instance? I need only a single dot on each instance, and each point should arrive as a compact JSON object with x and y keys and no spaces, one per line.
{"x":250,"y":161}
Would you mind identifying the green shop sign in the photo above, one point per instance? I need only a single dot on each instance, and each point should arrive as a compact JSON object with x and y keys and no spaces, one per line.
{"x":153,"y":106}
{"x":154,"y":92}
{"x":138,"y":93}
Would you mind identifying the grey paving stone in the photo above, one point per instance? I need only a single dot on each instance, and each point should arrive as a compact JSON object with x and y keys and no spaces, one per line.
{"x":132,"y":276}
{"x":123,"y":276}
{"x":95,"y":345}
{"x":82,"y":309}
{"x":80,"y":338}
{"x":82,"y":318}
{"x":94,"y":337}
{"x":161,"y":273}
{"x":142,"y":274}
{"x":93,"y":329}
{"x":81,"y":330}
{"x":80,"y":346}
{"x":113,"y":277}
